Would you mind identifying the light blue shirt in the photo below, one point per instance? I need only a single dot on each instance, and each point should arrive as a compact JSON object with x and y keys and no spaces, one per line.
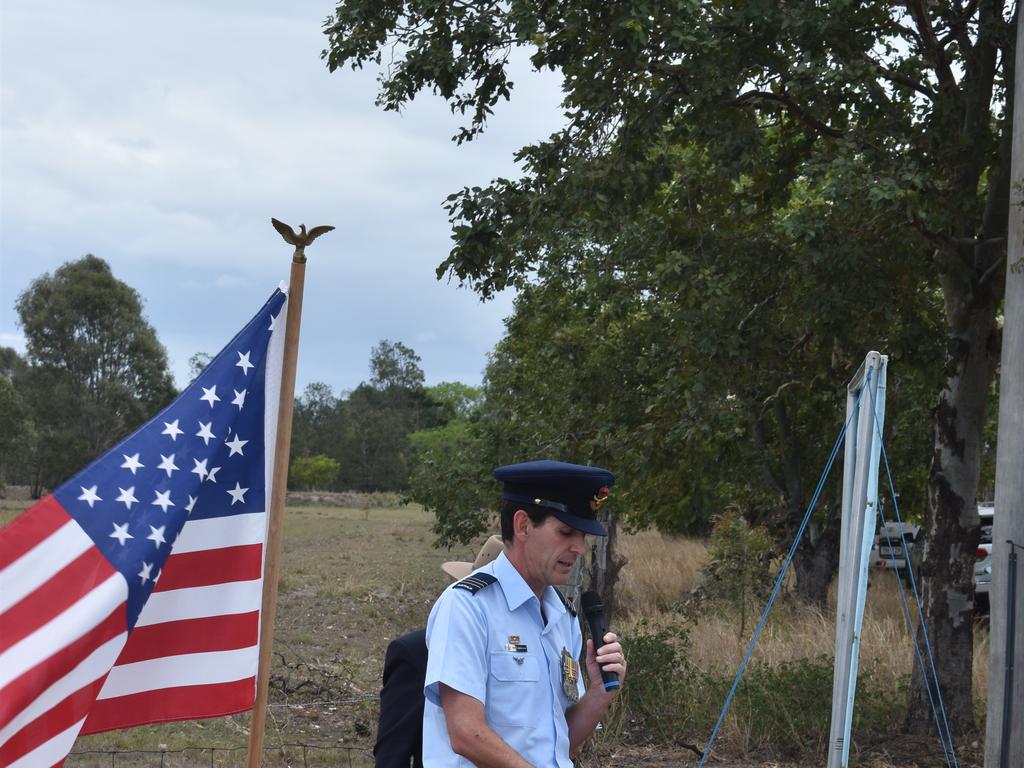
{"x":494,"y":646}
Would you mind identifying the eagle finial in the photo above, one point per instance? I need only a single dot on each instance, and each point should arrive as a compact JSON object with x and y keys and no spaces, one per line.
{"x":301,"y":239}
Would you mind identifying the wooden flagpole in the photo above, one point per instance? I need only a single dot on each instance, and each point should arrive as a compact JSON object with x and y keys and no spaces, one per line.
{"x":280,"y":477}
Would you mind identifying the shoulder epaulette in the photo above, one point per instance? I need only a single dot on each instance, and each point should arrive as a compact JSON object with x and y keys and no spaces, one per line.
{"x":565,"y":602}
{"x":475,"y":582}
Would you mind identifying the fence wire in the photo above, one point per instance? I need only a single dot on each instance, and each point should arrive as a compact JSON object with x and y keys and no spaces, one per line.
{"x":288,"y":754}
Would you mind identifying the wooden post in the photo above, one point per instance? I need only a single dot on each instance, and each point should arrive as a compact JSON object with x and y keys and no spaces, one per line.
{"x":1008,"y":520}
{"x":282,"y":445}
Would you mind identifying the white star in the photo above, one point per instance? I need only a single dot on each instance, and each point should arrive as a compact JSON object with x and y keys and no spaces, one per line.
{"x":128,"y":497}
{"x":200,"y":469}
{"x":167,"y":464}
{"x":171,"y":428}
{"x":191,"y":503}
{"x":212,"y":474}
{"x":273,"y":320}
{"x":235,"y":446}
{"x":210,"y":395}
{"x":156,"y":535}
{"x":163,"y":500}
{"x":121,"y":533}
{"x":205,"y":432}
{"x":132,"y":462}
{"x":89,"y":496}
{"x":239,"y":399}
{"x":147,"y":568}
{"x":243,"y":362}
{"x":238,"y":495}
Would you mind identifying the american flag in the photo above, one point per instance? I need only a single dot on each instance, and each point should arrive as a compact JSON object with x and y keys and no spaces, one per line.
{"x":132,"y":593}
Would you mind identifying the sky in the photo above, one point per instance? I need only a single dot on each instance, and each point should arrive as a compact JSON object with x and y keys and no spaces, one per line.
{"x":163,"y":137}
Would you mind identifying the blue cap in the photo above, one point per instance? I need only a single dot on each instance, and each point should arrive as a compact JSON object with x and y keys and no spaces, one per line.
{"x":572,"y":493}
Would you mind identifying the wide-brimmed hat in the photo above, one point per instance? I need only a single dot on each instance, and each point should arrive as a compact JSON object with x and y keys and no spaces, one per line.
{"x":571,"y":492}
{"x":459,"y":569}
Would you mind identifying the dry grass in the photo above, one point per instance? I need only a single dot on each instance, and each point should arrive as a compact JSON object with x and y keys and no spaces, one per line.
{"x":661,"y":571}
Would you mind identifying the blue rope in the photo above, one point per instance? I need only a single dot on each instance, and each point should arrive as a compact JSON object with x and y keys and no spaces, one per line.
{"x":945,"y":736}
{"x":916,"y":639}
{"x":778,"y":581}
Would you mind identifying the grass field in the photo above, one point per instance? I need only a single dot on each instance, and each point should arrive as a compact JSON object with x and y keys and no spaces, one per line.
{"x":353,"y":578}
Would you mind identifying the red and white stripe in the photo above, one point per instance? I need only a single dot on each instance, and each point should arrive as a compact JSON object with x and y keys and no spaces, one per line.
{"x":194,"y":650}
{"x":65,"y":667}
{"x":62,"y":626}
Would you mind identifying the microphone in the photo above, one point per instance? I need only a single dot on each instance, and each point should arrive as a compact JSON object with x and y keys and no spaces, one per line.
{"x":593,"y":611}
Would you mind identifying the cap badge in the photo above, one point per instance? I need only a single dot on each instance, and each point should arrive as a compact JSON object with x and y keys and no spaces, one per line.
{"x":598,"y":499}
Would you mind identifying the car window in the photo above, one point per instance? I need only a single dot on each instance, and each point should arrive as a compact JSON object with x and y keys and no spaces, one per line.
{"x":986,"y":533}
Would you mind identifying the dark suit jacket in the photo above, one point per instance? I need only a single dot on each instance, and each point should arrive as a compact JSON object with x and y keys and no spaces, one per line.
{"x":400,"y":729}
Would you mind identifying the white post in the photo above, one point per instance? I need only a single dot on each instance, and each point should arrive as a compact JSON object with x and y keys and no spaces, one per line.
{"x":1005,"y":720}
{"x":865,"y":408}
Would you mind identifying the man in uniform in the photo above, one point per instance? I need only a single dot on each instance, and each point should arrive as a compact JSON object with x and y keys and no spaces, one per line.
{"x":503,"y":685}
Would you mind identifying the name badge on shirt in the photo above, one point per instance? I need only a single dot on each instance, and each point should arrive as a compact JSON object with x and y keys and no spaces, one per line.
{"x":570,"y":676}
{"x":514,"y":646}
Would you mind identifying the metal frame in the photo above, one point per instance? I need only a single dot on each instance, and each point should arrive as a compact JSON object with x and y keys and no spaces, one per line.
{"x":860,"y":504}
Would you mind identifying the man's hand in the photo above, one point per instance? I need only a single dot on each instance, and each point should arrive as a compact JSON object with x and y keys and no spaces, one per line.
{"x":584,"y":715}
{"x":610,"y":658}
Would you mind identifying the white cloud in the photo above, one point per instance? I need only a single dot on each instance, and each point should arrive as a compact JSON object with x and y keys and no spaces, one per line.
{"x":162,"y":138}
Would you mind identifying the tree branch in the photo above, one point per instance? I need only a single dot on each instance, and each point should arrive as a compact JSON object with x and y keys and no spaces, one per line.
{"x":753,"y":98}
{"x":898,"y":79}
{"x":932,"y":45}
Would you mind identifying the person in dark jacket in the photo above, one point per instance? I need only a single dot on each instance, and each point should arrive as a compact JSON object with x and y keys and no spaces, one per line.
{"x":400,"y":728}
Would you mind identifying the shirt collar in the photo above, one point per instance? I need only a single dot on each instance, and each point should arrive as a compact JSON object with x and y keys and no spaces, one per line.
{"x":517,"y":591}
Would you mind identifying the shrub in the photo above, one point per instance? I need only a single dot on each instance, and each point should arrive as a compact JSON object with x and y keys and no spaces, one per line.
{"x":313,"y":472}
{"x":662,"y":699}
{"x":788,"y":705}
{"x":739,"y":573}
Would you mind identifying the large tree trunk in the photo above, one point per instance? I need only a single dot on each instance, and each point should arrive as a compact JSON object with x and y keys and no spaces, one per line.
{"x":605,"y":564}
{"x":816,"y":560}
{"x":817,"y":557}
{"x":951,"y":530}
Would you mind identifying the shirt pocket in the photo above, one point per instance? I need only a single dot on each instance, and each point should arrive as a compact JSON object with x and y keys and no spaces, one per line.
{"x":512,"y":689}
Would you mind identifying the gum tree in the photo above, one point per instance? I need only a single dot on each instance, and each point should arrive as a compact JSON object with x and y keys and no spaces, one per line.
{"x":95,"y":366}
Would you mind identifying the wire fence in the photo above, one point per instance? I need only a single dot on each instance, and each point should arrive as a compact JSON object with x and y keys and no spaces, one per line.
{"x":290,"y":754}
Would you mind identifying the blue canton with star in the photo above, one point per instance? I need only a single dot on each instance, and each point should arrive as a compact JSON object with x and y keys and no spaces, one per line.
{"x":201,"y":457}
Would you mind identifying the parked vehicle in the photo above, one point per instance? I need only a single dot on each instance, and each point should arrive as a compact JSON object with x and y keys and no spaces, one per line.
{"x":887,"y":551}
{"x":983,"y":564}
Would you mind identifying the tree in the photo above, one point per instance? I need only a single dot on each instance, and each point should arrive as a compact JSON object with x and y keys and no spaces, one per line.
{"x":96,"y":368}
{"x":911,"y":97}
{"x":395,"y":366}
{"x":15,"y":427}
{"x":314,"y":472}
{"x":11,"y":363}
{"x":197,"y":364}
{"x":16,"y":431}
{"x":455,"y":400}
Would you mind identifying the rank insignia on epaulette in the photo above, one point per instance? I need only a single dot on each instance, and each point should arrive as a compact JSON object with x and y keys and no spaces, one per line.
{"x":475,"y":582}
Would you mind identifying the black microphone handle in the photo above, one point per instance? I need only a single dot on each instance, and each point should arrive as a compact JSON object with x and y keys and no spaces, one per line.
{"x":594,"y":614}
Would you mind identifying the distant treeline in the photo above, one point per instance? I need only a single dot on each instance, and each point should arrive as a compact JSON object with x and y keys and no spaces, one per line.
{"x":94,"y":370}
